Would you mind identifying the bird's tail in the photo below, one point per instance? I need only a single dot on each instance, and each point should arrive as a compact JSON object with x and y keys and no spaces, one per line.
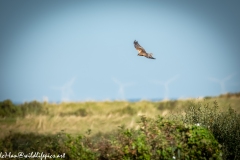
{"x":150,"y":56}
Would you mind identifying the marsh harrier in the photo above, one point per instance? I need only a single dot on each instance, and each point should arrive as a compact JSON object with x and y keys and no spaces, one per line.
{"x":141,"y":51}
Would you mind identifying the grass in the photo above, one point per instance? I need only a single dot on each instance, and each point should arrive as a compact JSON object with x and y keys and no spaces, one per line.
{"x":78,"y":117}
{"x":104,"y":118}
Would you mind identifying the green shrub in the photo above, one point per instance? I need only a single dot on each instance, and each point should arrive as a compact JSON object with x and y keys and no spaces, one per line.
{"x":174,"y":139}
{"x":82,"y":112}
{"x":8,"y":109}
{"x":27,"y":143}
{"x":80,"y":148}
{"x":227,"y":131}
{"x":224,"y":125}
{"x":126,"y":110}
{"x":167,"y":105}
{"x":33,"y":107}
{"x":207,"y":97}
{"x":229,"y":95}
{"x":156,"y":139}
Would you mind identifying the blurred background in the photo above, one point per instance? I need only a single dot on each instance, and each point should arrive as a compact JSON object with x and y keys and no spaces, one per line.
{"x":83,"y":50}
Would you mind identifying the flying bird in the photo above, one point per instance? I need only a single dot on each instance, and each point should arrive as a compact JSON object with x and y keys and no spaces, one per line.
{"x":141,"y":51}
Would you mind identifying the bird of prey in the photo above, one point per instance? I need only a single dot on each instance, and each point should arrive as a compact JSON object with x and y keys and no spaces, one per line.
{"x":141,"y":51}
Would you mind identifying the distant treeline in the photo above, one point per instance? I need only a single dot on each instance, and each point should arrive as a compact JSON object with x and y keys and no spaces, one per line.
{"x":226,"y":95}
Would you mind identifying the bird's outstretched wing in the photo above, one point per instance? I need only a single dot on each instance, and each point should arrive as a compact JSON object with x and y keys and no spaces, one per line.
{"x":138,"y":47}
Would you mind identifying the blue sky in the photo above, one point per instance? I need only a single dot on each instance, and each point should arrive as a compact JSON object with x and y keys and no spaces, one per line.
{"x":83,"y":50}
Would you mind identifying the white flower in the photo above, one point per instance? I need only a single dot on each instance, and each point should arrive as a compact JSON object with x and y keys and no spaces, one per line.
{"x":198,"y":124}
{"x":174,"y":157}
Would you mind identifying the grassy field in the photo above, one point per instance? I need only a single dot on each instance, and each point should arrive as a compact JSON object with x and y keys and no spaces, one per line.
{"x":180,"y":129}
{"x":78,"y":117}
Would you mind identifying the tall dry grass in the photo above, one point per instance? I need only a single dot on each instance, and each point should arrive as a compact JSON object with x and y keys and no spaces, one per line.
{"x":78,"y":117}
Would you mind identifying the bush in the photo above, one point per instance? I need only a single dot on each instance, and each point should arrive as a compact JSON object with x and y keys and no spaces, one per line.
{"x":156,"y":139}
{"x":127,"y":110}
{"x":33,"y":107}
{"x":223,"y":125}
{"x":227,"y":131}
{"x":27,"y":143}
{"x":167,"y":105}
{"x":82,"y":112}
{"x":8,"y":109}
{"x":80,"y":148}
{"x":229,"y":95}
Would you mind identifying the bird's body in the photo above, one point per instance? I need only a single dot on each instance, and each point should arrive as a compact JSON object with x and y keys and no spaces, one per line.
{"x":141,"y":51}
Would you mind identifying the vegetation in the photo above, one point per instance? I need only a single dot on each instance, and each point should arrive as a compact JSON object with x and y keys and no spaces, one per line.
{"x":155,"y":139}
{"x":205,"y":128}
{"x":8,"y":109}
{"x":224,"y":125}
